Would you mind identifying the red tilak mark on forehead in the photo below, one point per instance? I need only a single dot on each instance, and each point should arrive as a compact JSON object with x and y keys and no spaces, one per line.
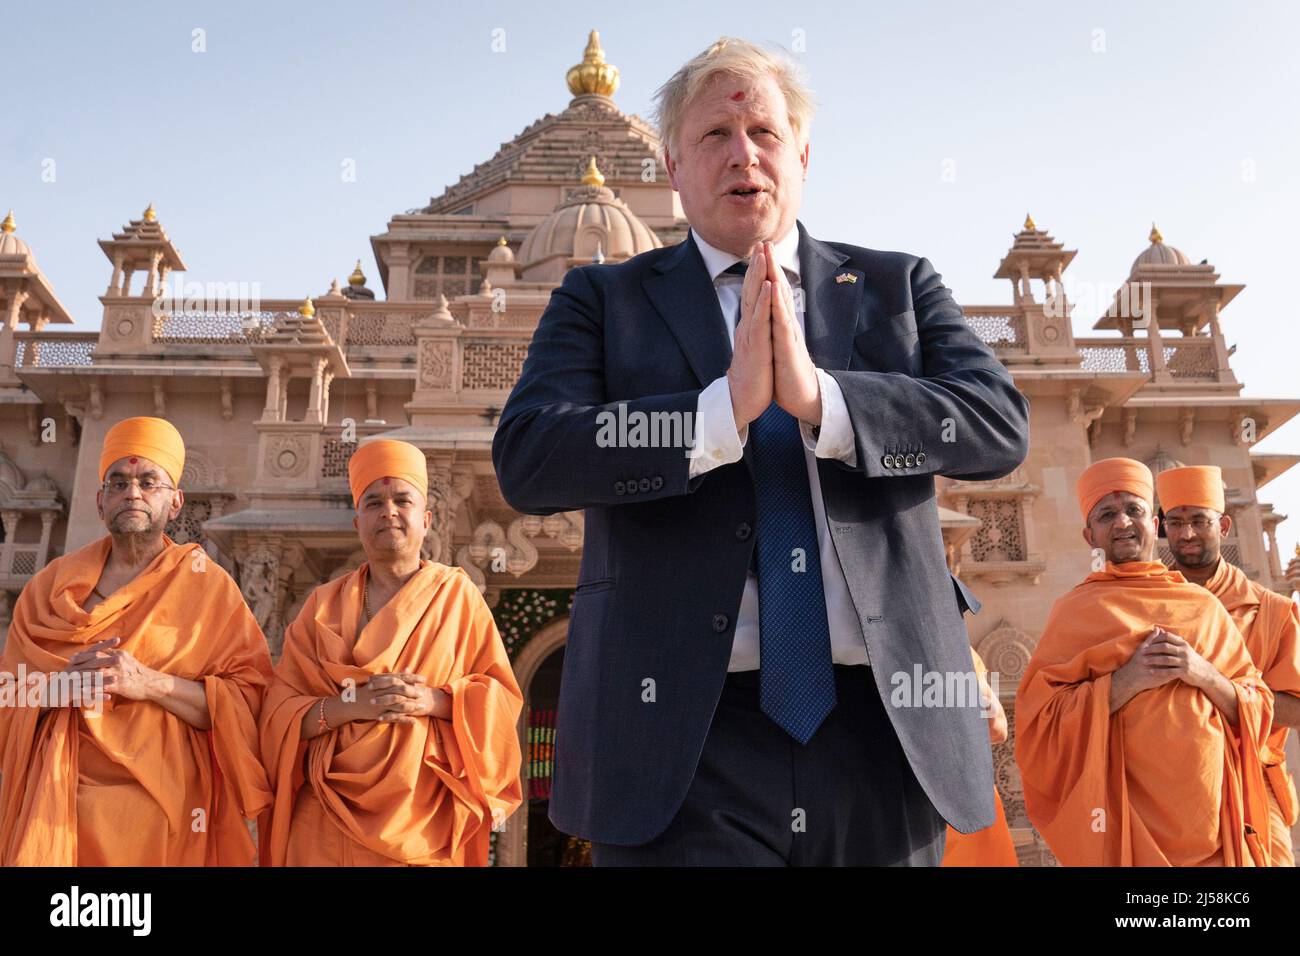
{"x":738,"y":95}
{"x":385,"y":481}
{"x":134,"y":460}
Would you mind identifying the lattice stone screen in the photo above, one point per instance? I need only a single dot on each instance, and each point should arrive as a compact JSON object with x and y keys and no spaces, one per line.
{"x":188,"y":525}
{"x":1001,"y":537}
{"x":493,"y":365}
{"x":379,"y":328}
{"x":334,"y":458}
{"x":998,"y":330}
{"x":450,"y":275}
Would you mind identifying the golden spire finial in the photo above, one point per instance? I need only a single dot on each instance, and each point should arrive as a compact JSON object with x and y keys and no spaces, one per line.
{"x":150,"y":215}
{"x":592,"y":176}
{"x":593,"y":74}
{"x":9,"y":225}
{"x":502,"y":241}
{"x":307,"y":310}
{"x":1029,"y":223}
{"x":1297,"y":550}
{"x":1155,"y":234}
{"x":357,"y":277}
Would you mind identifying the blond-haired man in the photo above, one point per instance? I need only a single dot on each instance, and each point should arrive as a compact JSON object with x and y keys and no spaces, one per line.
{"x":750,"y":587}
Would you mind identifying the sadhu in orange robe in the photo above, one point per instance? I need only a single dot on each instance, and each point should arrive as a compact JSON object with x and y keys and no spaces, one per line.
{"x":136,"y":785}
{"x":991,"y":846}
{"x":371,"y":793}
{"x":1271,"y":627}
{"x":1165,"y":781}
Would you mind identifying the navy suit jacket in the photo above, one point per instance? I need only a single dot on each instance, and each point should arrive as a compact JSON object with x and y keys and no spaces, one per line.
{"x":665,"y":556}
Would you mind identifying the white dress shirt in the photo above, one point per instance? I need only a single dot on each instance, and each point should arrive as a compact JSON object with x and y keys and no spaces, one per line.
{"x":717,"y":442}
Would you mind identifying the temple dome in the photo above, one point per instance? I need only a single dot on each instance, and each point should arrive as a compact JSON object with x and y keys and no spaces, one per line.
{"x":591,"y":219}
{"x":1160,"y":254}
{"x":10,"y":244}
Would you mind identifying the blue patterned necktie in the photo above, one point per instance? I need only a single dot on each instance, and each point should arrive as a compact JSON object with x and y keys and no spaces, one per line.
{"x":796,"y":674}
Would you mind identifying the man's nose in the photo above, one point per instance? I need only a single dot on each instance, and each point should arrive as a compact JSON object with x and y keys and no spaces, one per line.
{"x":744,"y":151}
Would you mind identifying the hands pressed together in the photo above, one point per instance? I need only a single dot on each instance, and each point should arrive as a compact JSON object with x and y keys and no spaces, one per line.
{"x":1164,"y":656}
{"x":121,"y":673}
{"x":770,"y":360}
{"x":402,"y":698}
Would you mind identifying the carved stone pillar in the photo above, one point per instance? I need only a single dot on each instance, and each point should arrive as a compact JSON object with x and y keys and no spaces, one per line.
{"x":271,"y":412}
{"x":47,"y":525}
{"x":10,"y":520}
{"x":314,"y":400}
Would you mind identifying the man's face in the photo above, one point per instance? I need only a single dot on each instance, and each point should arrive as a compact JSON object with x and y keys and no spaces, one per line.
{"x":137,"y":497}
{"x":391,"y":519}
{"x":1195,"y":535}
{"x":736,"y":133}
{"x":1123,"y":525}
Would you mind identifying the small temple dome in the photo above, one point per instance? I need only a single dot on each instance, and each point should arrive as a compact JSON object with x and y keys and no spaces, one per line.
{"x":590,"y":218}
{"x":1159,"y":254}
{"x":43,"y":483}
{"x":501,"y":252}
{"x":10,"y":244}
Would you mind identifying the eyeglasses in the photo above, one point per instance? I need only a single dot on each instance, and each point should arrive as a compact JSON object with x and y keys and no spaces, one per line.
{"x":148,"y":486}
{"x":1199,"y":525}
{"x":1135,"y":512}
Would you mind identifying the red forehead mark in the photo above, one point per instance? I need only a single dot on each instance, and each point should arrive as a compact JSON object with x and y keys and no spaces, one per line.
{"x":133,"y":460}
{"x":385,"y":481}
{"x":738,"y":95}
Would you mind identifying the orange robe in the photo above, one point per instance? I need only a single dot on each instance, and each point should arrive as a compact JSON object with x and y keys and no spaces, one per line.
{"x":1165,"y":780}
{"x":424,"y":794}
{"x":991,"y":846}
{"x":136,"y":785}
{"x":1271,"y":626}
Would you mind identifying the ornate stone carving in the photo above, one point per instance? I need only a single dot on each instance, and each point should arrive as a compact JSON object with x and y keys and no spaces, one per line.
{"x":259,"y":582}
{"x":286,"y":456}
{"x":1006,"y":651}
{"x":120,"y":323}
{"x":435,"y":363}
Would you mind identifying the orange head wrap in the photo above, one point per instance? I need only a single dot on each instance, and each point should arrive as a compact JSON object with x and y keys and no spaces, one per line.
{"x":1112,"y":474}
{"x":152,"y":438}
{"x":1198,"y":486}
{"x":386,"y":458}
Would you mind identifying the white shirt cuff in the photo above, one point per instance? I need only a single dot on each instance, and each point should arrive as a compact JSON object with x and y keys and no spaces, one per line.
{"x":716,"y":440}
{"x":834,"y":437}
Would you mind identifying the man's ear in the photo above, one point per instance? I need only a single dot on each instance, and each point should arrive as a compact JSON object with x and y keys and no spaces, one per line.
{"x":1087,"y":536}
{"x":1225,"y":525}
{"x":670,"y":164}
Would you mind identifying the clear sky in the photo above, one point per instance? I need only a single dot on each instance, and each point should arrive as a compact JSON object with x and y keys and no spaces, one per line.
{"x":939,"y":125}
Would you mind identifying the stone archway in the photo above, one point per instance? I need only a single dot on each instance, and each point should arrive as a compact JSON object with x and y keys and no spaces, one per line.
{"x":512,"y":842}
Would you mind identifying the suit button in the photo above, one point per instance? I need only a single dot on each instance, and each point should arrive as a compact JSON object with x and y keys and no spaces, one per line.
{"x":656,"y":483}
{"x":719,"y":622}
{"x":743,"y":531}
{"x":618,"y":488}
{"x":910,"y":461}
{"x":644,"y":484}
{"x":920,"y":458}
{"x":888,"y":461}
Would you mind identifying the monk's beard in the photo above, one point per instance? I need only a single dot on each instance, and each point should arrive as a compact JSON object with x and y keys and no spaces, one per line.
{"x":1205,"y":557}
{"x":132,"y":536}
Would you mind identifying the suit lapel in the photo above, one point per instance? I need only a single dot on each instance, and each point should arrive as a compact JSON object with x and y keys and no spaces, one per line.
{"x":685,"y":298}
{"x":830,"y":306}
